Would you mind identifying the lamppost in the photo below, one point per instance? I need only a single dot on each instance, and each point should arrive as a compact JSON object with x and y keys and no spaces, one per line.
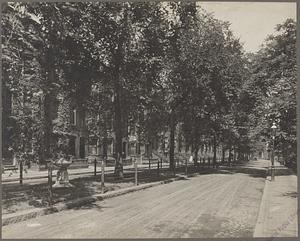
{"x":273,"y":127}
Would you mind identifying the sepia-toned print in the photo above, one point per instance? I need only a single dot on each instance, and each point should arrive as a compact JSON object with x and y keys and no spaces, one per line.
{"x":134,"y":120}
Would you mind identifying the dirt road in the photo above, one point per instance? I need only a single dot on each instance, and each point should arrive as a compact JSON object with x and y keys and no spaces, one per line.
{"x":211,"y":205}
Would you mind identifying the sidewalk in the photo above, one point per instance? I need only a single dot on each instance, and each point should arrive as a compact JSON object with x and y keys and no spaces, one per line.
{"x":36,"y":177}
{"x":278,"y":215}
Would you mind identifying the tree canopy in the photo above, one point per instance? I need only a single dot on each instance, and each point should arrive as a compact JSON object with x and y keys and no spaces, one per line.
{"x":154,"y":67}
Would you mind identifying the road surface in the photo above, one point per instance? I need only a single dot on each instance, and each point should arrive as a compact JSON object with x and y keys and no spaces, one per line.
{"x":205,"y":206}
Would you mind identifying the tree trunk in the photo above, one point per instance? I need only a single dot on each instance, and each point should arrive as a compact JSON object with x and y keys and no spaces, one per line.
{"x":48,"y":103}
{"x":234,"y":154}
{"x":196,"y":156}
{"x":119,"y":56}
{"x":138,"y":138}
{"x":223,"y":154}
{"x":138,"y":145}
{"x":215,"y":151}
{"x":196,"y":146}
{"x":172,"y":141}
{"x":47,"y":128}
{"x":118,"y":132}
{"x":230,"y":154}
{"x":206,"y":149}
{"x":105,"y":143}
{"x":179,"y":141}
{"x":118,"y":117}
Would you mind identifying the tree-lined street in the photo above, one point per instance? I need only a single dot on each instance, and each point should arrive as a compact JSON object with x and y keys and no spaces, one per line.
{"x":164,"y":77}
{"x":212,"y":205}
{"x":103,"y":96}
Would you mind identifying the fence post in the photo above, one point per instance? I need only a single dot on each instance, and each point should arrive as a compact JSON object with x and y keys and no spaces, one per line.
{"x":186,"y":167}
{"x":102,"y":176}
{"x":158,"y":168}
{"x":95,"y":167}
{"x":135,"y":172}
{"x":21,"y":171}
{"x":161,"y":163}
{"x":149,"y":164}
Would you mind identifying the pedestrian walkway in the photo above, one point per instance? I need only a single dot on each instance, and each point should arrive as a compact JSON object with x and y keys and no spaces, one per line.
{"x":35,"y":177}
{"x":35,"y":173}
{"x":278,"y":211}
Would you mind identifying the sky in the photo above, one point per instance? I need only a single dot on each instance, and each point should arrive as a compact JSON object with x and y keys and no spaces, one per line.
{"x":252,"y":22}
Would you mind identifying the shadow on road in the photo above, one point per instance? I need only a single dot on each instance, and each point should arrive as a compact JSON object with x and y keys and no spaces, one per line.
{"x":93,"y":206}
{"x":17,"y":197}
{"x":291,"y":194}
{"x":253,"y":172}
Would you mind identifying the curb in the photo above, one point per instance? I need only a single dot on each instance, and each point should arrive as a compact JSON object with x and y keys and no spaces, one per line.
{"x":29,"y":214}
{"x":262,"y":219}
{"x":262,"y":226}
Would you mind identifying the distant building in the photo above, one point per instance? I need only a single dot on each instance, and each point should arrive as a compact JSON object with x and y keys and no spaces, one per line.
{"x":70,"y":126}
{"x":70,"y":130}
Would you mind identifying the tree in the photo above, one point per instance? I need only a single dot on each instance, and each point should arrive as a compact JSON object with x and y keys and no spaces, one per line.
{"x":22,"y":78}
{"x":207,"y":80}
{"x":122,"y":48}
{"x":274,"y":79}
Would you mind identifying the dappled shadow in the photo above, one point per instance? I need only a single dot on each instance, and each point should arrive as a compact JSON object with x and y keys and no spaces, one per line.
{"x":285,"y":173}
{"x":253,"y":172}
{"x":213,"y":171}
{"x":38,"y":197}
{"x":291,"y":194}
{"x":17,"y":197}
{"x":184,"y":178}
{"x":94,"y":206}
{"x":211,"y":226}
